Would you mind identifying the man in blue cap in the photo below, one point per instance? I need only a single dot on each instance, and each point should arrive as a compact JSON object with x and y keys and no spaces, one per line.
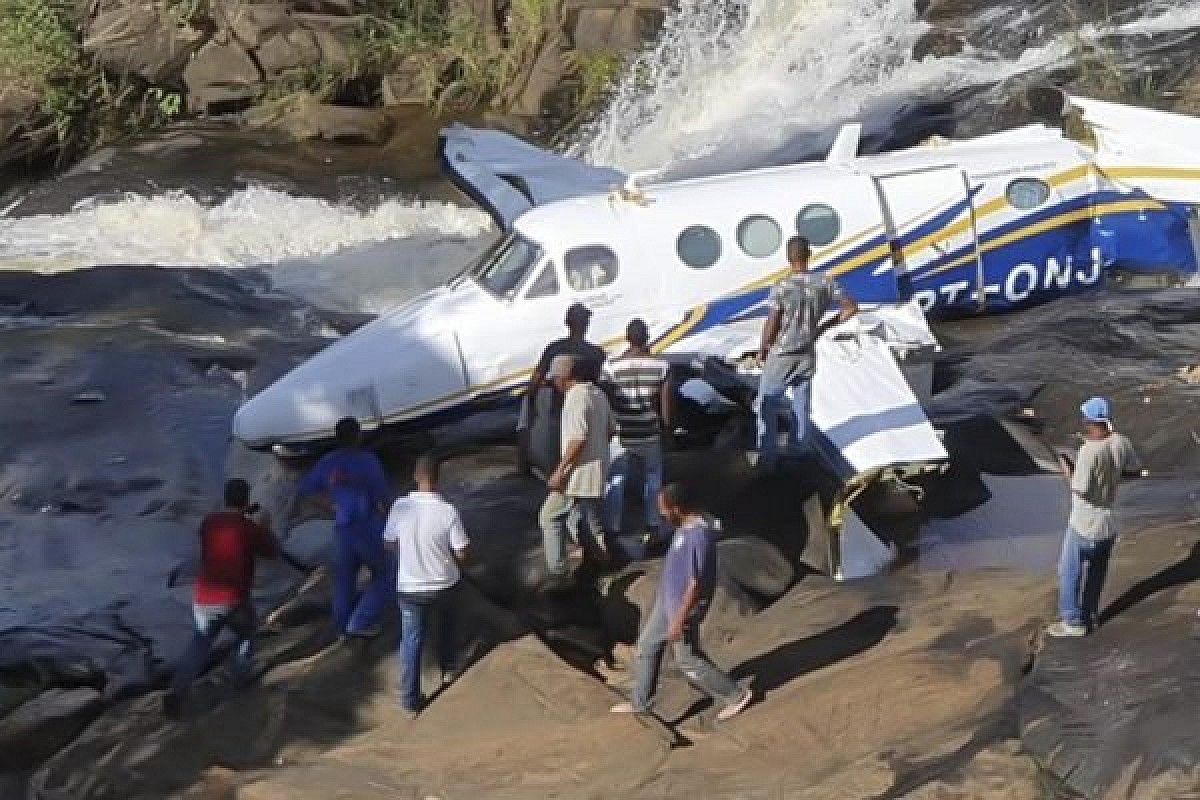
{"x":1105,"y":457}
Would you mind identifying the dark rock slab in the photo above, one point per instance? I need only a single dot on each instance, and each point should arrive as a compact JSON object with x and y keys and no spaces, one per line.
{"x":1116,"y":712}
{"x":40,"y":727}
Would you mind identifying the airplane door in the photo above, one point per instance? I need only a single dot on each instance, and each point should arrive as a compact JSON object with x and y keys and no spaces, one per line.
{"x":931,"y":226}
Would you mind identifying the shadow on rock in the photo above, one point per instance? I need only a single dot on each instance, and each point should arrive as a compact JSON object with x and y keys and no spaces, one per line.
{"x":811,"y":653}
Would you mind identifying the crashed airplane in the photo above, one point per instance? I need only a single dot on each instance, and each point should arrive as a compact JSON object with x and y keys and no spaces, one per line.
{"x":947,"y":228}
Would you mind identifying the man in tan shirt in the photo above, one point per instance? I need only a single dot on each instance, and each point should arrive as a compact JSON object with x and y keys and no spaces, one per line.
{"x":577,"y":484}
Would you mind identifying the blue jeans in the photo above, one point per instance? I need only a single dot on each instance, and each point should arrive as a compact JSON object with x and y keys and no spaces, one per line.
{"x":415,"y":608}
{"x":689,"y":658}
{"x":561,"y":515}
{"x":209,"y":622}
{"x":1078,"y":553}
{"x":771,"y":406}
{"x":357,"y":548}
{"x":623,"y":458}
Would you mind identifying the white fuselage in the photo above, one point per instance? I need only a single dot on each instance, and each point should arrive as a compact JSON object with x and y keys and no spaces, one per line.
{"x":984,"y":224}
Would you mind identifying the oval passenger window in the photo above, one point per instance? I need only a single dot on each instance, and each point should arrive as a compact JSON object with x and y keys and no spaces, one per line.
{"x":1027,"y":193}
{"x":759,"y":236}
{"x":699,"y":246}
{"x":818,"y":223}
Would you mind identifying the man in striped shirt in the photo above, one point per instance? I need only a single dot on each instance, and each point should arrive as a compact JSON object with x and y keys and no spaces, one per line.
{"x":641,"y":398}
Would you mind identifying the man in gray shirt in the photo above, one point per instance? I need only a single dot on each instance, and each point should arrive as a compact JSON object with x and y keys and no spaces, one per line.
{"x":1104,"y":458}
{"x":796,"y":305}
{"x":577,"y":484}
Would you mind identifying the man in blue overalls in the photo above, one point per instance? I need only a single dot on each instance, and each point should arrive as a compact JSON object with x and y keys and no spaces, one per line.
{"x":352,"y":480}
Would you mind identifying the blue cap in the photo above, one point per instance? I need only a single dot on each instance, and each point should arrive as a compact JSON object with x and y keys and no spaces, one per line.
{"x":1096,"y":410}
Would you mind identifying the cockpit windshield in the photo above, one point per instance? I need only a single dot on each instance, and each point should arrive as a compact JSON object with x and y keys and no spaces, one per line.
{"x":504,"y":272}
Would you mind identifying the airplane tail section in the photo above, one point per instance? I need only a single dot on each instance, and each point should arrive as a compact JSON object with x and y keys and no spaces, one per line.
{"x":1147,"y":173}
{"x":507,"y":176}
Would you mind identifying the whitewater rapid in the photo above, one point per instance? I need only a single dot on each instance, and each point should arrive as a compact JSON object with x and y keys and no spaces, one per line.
{"x":729,"y":84}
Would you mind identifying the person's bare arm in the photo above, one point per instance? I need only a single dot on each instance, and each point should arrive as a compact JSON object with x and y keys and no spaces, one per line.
{"x":847,"y":308}
{"x":666,"y":402}
{"x":691,"y":596}
{"x":770,"y":333}
{"x":570,"y":457}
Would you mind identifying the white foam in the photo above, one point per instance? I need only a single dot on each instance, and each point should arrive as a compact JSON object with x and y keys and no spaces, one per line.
{"x":255,"y":226}
{"x":730,"y":82}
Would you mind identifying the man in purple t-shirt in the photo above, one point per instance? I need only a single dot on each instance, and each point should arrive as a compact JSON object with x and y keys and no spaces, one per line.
{"x":688,"y":580}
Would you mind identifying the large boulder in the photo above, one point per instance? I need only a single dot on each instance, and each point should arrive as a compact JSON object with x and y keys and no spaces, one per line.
{"x":286,"y":50}
{"x":40,"y":727}
{"x":304,"y":116}
{"x":251,"y":23}
{"x":543,"y":76}
{"x":220,"y":77}
{"x":336,"y":36}
{"x":142,"y":39}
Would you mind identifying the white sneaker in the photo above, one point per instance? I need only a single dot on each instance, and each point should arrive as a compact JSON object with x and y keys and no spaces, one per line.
{"x":736,"y":707}
{"x":1066,"y":630}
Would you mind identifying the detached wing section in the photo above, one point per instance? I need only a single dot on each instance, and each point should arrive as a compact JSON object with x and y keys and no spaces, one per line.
{"x":507,"y":176}
{"x":1144,"y":149}
{"x":863,"y":404}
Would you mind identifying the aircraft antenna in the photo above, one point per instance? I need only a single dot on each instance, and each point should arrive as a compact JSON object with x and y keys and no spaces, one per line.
{"x":845,"y":147}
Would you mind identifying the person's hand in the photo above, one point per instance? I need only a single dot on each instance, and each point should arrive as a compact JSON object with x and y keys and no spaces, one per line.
{"x":675,"y":632}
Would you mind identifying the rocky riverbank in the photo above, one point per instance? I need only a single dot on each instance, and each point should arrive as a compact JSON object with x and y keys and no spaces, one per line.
{"x":72,"y":77}
{"x":915,"y":685}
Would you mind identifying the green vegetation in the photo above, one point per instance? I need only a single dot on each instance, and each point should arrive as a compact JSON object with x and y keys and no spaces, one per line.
{"x":38,"y":47}
{"x":77,"y":104}
{"x":452,"y":59}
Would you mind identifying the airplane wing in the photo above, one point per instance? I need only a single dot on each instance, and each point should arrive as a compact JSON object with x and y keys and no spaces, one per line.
{"x":507,"y":176}
{"x":1142,"y":148}
{"x":868,"y":415}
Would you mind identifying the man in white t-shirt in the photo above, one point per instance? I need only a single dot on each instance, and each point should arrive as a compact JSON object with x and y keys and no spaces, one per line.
{"x":427,"y":536}
{"x":1105,"y":457}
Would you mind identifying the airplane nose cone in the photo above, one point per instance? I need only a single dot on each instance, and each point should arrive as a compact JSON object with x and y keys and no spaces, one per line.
{"x":292,"y":409}
{"x":390,"y":370}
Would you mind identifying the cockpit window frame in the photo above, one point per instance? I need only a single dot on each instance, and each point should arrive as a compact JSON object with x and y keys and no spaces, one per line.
{"x":549,"y":266}
{"x":482,"y":268}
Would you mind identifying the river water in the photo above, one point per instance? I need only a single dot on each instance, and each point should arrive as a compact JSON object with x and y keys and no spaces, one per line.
{"x":146,"y":293}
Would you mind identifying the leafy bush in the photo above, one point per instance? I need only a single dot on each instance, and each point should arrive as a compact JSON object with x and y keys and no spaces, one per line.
{"x":38,"y":45}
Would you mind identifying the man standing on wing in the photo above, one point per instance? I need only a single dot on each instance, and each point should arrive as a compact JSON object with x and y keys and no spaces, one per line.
{"x":689,"y":578}
{"x":1104,"y":458}
{"x":427,"y":536}
{"x":642,"y":403}
{"x":797,"y":303}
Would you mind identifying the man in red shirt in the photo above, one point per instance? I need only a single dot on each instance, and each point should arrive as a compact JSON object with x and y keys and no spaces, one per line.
{"x":230,"y":540}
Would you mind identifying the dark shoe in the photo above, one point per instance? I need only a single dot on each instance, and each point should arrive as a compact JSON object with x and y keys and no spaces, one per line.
{"x":172,"y":705}
{"x":557,"y":582}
